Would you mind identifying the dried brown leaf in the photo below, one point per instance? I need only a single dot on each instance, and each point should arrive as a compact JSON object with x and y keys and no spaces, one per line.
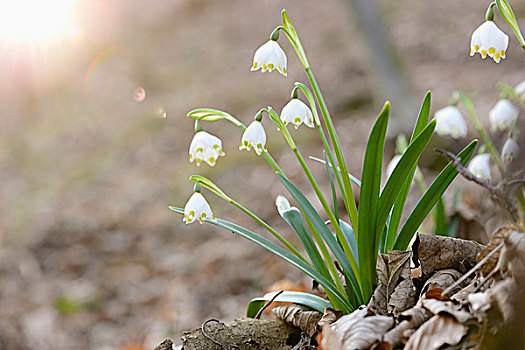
{"x":442,"y":279}
{"x":403,"y":297}
{"x":300,"y":316}
{"x":410,"y":320}
{"x":395,"y":291}
{"x":439,"y":252}
{"x":436,"y":293}
{"x":446,"y":307}
{"x":497,"y":238}
{"x":330,"y":315}
{"x":512,"y":259}
{"x":438,"y":331}
{"x":355,"y":331}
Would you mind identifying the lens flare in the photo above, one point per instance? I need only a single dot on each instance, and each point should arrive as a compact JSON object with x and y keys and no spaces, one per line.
{"x":34,"y":21}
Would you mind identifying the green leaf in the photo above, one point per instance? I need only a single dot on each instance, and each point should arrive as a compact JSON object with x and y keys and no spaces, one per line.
{"x":325,"y":233}
{"x":399,"y":204}
{"x":440,"y":219}
{"x":213,"y":115}
{"x":354,"y":179}
{"x":369,"y":200}
{"x":310,"y":300}
{"x":338,"y":301}
{"x":506,"y":11}
{"x":431,"y":196}
{"x":400,"y":175}
{"x":332,"y":187}
{"x":349,"y":234}
{"x":294,"y":218}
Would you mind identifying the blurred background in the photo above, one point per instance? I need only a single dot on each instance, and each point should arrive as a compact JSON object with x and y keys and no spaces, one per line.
{"x":94,"y":146}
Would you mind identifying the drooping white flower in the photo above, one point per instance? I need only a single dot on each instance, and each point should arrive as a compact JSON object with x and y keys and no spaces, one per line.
{"x":254,"y":136}
{"x":479,"y":166}
{"x":392,"y":165}
{"x":449,"y":121}
{"x":205,"y":147}
{"x":268,"y":57}
{"x":509,"y":151}
{"x":282,"y":204}
{"x":520,"y":89}
{"x":503,"y":115}
{"x":488,"y":39}
{"x":297,"y":112}
{"x":197,"y":208}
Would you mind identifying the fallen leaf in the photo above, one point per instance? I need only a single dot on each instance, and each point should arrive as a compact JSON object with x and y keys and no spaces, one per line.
{"x":355,"y":331}
{"x":439,"y":252}
{"x":436,"y":293}
{"x":410,"y":320}
{"x":442,"y":279}
{"x":395,"y":291}
{"x":300,"y":316}
{"x":436,"y":332}
{"x":446,"y":307}
{"x":497,"y":238}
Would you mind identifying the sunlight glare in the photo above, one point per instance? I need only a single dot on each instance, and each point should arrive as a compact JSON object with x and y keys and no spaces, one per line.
{"x":34,"y":21}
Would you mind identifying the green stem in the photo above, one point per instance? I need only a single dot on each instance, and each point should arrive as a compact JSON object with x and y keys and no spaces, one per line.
{"x":329,"y":213}
{"x":332,"y":164}
{"x":326,"y":255}
{"x":348,"y":194}
{"x":271,"y":230}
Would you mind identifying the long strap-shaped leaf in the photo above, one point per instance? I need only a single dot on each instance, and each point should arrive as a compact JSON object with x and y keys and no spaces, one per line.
{"x":294,"y":218}
{"x":292,"y":259}
{"x":431,"y":196}
{"x":399,"y":204}
{"x":401,"y":172}
{"x":313,"y":301}
{"x":328,"y":237}
{"x":369,"y":200}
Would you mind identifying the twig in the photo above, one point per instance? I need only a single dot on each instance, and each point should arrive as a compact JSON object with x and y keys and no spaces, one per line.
{"x":267,"y":304}
{"x":495,"y":191}
{"x":474,"y":269}
{"x":234,"y":347}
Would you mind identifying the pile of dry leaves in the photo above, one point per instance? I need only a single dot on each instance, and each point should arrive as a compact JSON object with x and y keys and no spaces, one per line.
{"x":445,"y":293}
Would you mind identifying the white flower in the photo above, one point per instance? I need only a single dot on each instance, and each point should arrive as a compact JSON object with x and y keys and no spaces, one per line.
{"x":520,"y":88}
{"x":509,"y":151}
{"x":254,"y":136}
{"x":297,"y":112}
{"x":488,"y":39}
{"x":392,"y":165}
{"x":282,"y":204}
{"x":197,"y":208}
{"x":270,"y":56}
{"x":205,"y":147}
{"x":503,"y":115}
{"x":449,"y":121}
{"x":479,"y":166}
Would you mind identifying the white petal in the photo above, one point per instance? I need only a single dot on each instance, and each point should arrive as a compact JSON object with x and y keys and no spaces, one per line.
{"x":509,"y":151}
{"x":489,"y":40}
{"x":203,"y":146}
{"x":503,"y":115}
{"x":197,"y":208}
{"x":254,"y":136}
{"x":297,"y":112}
{"x":392,"y":165}
{"x":520,"y":88}
{"x":479,"y":166}
{"x":268,"y":57}
{"x":450,"y":122}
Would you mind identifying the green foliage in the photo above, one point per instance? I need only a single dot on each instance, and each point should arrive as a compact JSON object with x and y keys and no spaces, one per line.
{"x":307,"y":299}
{"x":373,"y":228}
